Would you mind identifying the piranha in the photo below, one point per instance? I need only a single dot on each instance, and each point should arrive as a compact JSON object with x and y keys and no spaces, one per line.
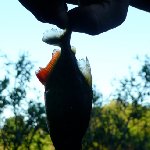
{"x":68,"y":93}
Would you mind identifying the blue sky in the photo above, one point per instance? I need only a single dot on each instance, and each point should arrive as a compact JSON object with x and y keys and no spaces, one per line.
{"x":110,"y":53}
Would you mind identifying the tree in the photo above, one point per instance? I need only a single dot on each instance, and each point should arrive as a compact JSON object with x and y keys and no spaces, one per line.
{"x":26,"y":128}
{"x":123,"y":124}
{"x":28,"y":119}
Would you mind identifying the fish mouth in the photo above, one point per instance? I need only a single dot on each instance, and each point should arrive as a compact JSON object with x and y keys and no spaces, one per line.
{"x":43,"y":73}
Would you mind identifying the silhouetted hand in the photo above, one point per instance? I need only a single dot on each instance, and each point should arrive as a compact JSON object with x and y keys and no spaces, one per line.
{"x":91,"y":16}
{"x":48,"y":11}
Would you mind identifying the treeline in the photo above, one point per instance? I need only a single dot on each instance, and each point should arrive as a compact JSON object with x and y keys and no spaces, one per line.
{"x":121,"y":124}
{"x":118,"y":127}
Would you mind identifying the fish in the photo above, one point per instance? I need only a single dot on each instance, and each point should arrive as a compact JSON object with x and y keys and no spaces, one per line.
{"x":68,"y":93}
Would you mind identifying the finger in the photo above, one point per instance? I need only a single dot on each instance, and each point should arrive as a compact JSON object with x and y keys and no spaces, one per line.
{"x":35,"y":7}
{"x":141,"y":4}
{"x":83,"y":20}
{"x":53,"y":12}
{"x":60,"y":20}
{"x":97,"y":18}
{"x":28,"y":4}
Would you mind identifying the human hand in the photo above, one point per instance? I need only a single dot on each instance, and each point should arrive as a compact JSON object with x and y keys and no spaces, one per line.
{"x":55,"y":12}
{"x":91,"y":17}
{"x":48,"y":11}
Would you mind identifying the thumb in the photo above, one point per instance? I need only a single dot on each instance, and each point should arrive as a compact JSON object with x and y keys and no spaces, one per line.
{"x":60,"y":20}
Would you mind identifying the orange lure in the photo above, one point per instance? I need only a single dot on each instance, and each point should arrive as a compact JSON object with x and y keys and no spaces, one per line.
{"x":42,"y":73}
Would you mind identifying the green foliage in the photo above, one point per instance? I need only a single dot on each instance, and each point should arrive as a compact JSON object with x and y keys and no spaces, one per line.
{"x":124,"y":123}
{"x":121,"y":124}
{"x":26,"y":129}
{"x":113,"y":127}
